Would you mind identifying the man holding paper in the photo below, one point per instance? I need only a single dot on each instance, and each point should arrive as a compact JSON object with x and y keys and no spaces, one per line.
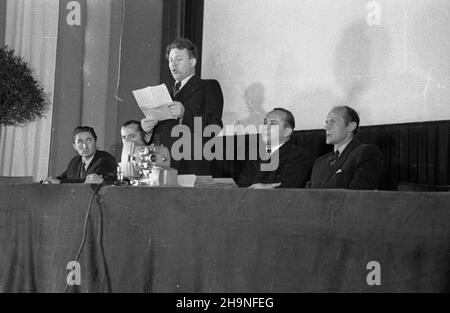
{"x":192,"y":97}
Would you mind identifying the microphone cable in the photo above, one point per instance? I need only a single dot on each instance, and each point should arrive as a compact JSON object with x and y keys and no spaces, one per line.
{"x":100,"y":243}
{"x":85,"y":227}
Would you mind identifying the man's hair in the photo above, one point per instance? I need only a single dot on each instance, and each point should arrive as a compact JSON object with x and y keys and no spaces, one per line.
{"x":138,"y":125}
{"x":182,"y":43}
{"x":350,"y":115}
{"x":289,"y":118}
{"x":83,"y":129}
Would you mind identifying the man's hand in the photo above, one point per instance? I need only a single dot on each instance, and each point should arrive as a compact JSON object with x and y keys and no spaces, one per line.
{"x":265,"y":186}
{"x":148,"y":124}
{"x":93,"y":179}
{"x":51,"y":180}
{"x":177,"y":109}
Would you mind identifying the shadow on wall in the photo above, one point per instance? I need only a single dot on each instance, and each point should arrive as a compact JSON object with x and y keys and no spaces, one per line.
{"x":254,"y":98}
{"x":361,"y":59}
{"x":362,"y":56}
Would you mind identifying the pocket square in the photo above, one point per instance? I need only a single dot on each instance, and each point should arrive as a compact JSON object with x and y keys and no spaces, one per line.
{"x":338,"y":171}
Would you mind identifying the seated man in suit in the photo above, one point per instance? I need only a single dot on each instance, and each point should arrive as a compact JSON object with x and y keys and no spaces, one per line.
{"x":134,"y":138}
{"x":194,"y":99}
{"x":91,"y":166}
{"x":352,"y":165}
{"x":293,"y":160}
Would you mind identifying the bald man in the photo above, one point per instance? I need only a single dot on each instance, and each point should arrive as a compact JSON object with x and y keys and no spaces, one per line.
{"x":294,"y":164}
{"x":351,"y":165}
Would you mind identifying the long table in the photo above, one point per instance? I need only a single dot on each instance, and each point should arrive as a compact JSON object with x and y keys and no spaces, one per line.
{"x":221,"y":240}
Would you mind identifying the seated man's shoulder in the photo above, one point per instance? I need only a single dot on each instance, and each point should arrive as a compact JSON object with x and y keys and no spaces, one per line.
{"x":368,"y":148}
{"x":322,"y":158}
{"x":75,"y":159}
{"x":299,"y":150}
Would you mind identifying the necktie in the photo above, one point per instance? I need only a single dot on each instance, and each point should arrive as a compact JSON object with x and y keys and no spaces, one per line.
{"x":334,"y":157}
{"x":176,"y":88}
{"x":83,"y":170}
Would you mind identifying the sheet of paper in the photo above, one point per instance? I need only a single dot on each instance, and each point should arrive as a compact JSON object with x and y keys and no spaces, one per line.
{"x":227,"y":181}
{"x":186,"y":180}
{"x":160,"y":113}
{"x":152,"y":101}
{"x":204,"y":180}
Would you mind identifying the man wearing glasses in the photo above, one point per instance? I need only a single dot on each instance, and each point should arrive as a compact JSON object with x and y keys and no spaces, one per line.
{"x":91,"y":166}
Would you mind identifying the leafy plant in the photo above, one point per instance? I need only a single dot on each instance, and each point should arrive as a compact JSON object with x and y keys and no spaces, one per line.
{"x":22,"y":100}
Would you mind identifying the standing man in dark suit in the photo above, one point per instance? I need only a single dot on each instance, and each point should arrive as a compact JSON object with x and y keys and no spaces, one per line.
{"x":351,"y":165}
{"x":91,"y":166}
{"x":294,"y":164}
{"x":193,"y":97}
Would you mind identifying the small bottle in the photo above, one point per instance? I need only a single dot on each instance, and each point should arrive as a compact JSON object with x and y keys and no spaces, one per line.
{"x":119,"y":180}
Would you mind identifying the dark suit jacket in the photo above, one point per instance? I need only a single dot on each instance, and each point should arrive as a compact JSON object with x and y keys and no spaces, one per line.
{"x":293,"y":169}
{"x":103,"y":164}
{"x":358,"y":167}
{"x":200,"y":98}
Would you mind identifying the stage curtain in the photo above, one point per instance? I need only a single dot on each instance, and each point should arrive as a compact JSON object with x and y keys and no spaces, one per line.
{"x":413,"y":152}
{"x":31,"y":30}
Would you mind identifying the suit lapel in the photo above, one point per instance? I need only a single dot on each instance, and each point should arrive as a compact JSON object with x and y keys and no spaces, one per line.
{"x":281,"y":151}
{"x":191,"y":86}
{"x":94,"y":159}
{"x":76,"y":167}
{"x":339,"y":162}
{"x":284,"y":149}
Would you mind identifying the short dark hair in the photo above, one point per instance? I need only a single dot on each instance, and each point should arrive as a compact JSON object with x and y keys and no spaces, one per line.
{"x":350,"y":115}
{"x":182,"y":43}
{"x":83,"y":129}
{"x":138,"y":125}
{"x":289,"y":118}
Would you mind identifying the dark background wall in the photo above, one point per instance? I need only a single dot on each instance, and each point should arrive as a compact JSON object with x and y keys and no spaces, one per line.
{"x":68,"y":93}
{"x":140,"y":60}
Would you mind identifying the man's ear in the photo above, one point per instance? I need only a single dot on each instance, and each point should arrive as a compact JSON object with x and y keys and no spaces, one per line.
{"x":351,"y":126}
{"x":75,"y":146}
{"x":288,"y":131}
{"x":193,"y":62}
